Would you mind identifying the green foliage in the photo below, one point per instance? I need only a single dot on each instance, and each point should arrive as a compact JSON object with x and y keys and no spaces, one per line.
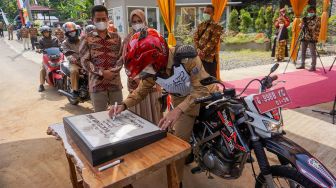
{"x":269,"y":20}
{"x":183,"y":33}
{"x":246,"y":22}
{"x":70,"y":9}
{"x":332,"y":23}
{"x":260,"y":21}
{"x":234,"y":21}
{"x":10,"y":8}
{"x":275,"y":17}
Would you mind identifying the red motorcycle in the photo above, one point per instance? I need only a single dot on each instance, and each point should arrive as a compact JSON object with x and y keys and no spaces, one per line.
{"x":52,"y":60}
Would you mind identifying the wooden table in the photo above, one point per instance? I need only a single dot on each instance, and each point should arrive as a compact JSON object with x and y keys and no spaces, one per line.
{"x":136,"y":165}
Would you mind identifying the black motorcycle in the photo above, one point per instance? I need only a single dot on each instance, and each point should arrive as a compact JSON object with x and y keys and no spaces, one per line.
{"x":83,"y":90}
{"x":231,"y":127}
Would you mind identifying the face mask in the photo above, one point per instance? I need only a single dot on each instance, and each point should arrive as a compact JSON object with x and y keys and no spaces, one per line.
{"x":311,"y":14}
{"x":101,"y":26}
{"x":72,"y":34}
{"x":281,"y":25}
{"x":138,"y":27}
{"x":206,"y":17}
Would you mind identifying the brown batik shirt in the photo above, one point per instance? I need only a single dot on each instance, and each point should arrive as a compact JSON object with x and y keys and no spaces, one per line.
{"x":207,"y":38}
{"x":24,"y":33}
{"x":33,"y":32}
{"x":311,"y":28}
{"x":98,"y":54}
{"x":59,"y":33}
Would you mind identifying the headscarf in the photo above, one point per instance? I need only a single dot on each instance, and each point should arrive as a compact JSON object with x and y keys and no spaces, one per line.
{"x":140,"y":13}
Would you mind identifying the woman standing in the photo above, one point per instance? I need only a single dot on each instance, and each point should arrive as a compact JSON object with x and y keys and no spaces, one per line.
{"x":149,"y":108}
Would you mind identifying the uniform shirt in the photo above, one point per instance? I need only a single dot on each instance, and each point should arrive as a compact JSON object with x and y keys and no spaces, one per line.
{"x":312,"y":27}
{"x":196,"y":71}
{"x":24,"y":33}
{"x":98,"y":54}
{"x":10,"y":27}
{"x":59,"y":33}
{"x":73,"y":46}
{"x":50,"y":42}
{"x":207,"y":38}
{"x":33,"y":32}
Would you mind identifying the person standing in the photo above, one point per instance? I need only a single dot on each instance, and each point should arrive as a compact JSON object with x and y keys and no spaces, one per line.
{"x":149,"y":108}
{"x":280,"y":49}
{"x":59,"y":33}
{"x":206,"y":39}
{"x":25,"y":37}
{"x":100,"y":51}
{"x":10,"y":29}
{"x":1,"y":29}
{"x":33,"y":35}
{"x":311,"y":30}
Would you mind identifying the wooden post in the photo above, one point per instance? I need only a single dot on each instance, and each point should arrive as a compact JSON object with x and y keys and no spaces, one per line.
{"x":173,"y":181}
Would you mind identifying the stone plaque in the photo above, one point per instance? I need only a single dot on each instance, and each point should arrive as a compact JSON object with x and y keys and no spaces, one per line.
{"x":101,"y":139}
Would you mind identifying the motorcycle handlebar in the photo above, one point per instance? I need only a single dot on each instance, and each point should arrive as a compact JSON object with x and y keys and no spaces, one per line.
{"x":212,"y":97}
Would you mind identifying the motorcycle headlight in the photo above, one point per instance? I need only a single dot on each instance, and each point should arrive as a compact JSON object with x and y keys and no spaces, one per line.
{"x":273,"y":127}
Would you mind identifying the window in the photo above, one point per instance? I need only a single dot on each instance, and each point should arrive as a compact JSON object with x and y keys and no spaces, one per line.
{"x":200,"y":14}
{"x":188,"y":15}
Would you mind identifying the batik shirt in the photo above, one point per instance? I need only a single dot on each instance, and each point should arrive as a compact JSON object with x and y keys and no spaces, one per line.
{"x":311,"y":28}
{"x":207,"y":38}
{"x":33,"y":32}
{"x":98,"y":54}
{"x":24,"y":33}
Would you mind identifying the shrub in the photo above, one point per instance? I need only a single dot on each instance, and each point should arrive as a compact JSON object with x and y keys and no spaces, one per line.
{"x":260,"y":21}
{"x":269,"y":20}
{"x":245,"y":38}
{"x":332,"y":24}
{"x":245,"y":21}
{"x":234,"y":21}
{"x":183,"y":33}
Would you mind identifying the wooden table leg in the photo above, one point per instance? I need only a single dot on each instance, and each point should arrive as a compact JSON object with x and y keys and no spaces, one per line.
{"x":173,"y":181}
{"x":73,"y":174}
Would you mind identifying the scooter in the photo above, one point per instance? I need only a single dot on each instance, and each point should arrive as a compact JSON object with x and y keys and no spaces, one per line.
{"x":52,"y":60}
{"x":83,"y":85}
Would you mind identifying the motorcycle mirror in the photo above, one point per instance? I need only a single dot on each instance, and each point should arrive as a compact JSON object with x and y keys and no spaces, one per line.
{"x":208,"y":81}
{"x":274,"y":68}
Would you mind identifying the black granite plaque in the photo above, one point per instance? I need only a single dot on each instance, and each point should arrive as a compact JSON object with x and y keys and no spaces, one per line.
{"x":101,"y":139}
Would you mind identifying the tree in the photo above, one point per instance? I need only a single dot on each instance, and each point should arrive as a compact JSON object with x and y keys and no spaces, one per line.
{"x":260,"y":21}
{"x":245,"y":21}
{"x":234,"y":21}
{"x":269,"y":20}
{"x":10,"y":8}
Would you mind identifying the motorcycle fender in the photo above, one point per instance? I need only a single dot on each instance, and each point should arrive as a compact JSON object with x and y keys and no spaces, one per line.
{"x":302,"y":160}
{"x":57,"y":76}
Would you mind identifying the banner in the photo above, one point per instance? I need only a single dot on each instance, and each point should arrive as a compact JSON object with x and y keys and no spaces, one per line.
{"x":4,"y":17}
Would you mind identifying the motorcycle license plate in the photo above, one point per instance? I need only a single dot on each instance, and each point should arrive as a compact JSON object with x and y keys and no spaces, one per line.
{"x":271,"y":100}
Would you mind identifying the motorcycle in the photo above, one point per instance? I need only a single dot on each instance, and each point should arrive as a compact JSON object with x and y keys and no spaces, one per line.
{"x":52,"y":60}
{"x":232,"y":126}
{"x":83,"y":90}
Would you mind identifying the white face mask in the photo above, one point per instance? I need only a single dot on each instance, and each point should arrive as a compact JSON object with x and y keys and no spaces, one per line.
{"x":72,"y":34}
{"x":137,"y":27}
{"x":206,"y":17}
{"x":101,"y":26}
{"x":281,"y":25}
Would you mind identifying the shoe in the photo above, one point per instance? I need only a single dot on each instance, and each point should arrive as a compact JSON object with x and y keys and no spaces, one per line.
{"x":312,"y":69}
{"x":300,"y":67}
{"x":41,"y":88}
{"x":75,"y":94}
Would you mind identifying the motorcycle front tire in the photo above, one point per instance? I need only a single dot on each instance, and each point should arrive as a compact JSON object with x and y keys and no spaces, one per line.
{"x":288,"y":173}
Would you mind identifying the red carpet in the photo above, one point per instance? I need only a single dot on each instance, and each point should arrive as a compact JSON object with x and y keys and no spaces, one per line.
{"x":305,"y":88}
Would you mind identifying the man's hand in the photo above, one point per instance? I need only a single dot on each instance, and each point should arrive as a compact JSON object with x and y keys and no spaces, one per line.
{"x":108,"y":75}
{"x":170,"y":119}
{"x":113,"y":112}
